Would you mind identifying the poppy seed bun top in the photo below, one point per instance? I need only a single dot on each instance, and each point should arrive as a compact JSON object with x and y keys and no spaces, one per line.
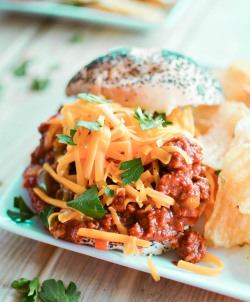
{"x":154,"y":79}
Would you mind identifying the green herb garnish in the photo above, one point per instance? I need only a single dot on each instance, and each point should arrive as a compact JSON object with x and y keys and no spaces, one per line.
{"x":76,"y":37}
{"x":21,"y":69}
{"x":89,"y":204}
{"x":68,"y":139}
{"x":92,"y":126}
{"x":51,"y":290}
{"x":93,"y":98}
{"x":54,"y":291}
{"x":134,"y":169}
{"x":217,"y":172}
{"x":20,"y":283}
{"x":24,"y":211}
{"x":162,"y":118}
{"x":44,"y":215}
{"x":38,"y":84}
{"x":109,"y":192}
{"x":28,"y":288}
{"x":147,"y":121}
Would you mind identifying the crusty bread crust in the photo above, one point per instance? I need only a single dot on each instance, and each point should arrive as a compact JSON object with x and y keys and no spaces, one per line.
{"x":154,"y":79}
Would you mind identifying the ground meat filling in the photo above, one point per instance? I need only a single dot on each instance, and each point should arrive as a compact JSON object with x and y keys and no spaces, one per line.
{"x":191,"y":246}
{"x":43,"y":153}
{"x":178,"y":180}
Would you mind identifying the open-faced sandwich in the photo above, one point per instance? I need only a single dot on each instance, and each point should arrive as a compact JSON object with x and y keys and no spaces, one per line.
{"x":133,"y":163}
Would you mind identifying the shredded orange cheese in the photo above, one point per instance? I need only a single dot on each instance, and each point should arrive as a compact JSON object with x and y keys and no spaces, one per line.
{"x":153,"y":269}
{"x":67,"y":183}
{"x":121,"y":228}
{"x":159,"y":198}
{"x":54,"y":202}
{"x":202,"y":270}
{"x":97,"y":157}
{"x":112,"y":237}
{"x":130,"y":248}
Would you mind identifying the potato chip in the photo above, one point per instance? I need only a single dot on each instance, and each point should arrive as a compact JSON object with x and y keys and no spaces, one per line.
{"x":240,"y":166}
{"x":241,"y":132}
{"x":236,"y":82}
{"x":219,"y":136}
{"x":202,"y":118}
{"x":229,"y":223}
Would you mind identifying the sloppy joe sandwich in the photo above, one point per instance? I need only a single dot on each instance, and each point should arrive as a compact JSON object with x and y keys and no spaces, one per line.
{"x":121,"y":167}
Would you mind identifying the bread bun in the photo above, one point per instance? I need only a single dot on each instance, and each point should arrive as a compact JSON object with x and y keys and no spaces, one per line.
{"x":154,"y":79}
{"x":157,"y":248}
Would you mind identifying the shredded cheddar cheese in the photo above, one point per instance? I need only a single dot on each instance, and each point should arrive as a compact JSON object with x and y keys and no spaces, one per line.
{"x":159,"y":198}
{"x":97,"y":158}
{"x":112,"y":237}
{"x":203,"y":270}
{"x":153,"y":269}
{"x":67,"y":183}
{"x":54,"y":202}
{"x":130,"y":248}
{"x":121,"y":228}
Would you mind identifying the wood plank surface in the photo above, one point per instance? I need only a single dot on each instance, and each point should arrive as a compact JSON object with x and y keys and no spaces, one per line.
{"x":46,"y":43}
{"x":97,"y":280}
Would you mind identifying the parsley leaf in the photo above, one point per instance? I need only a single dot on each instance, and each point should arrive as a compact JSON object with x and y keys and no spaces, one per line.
{"x":54,"y":291}
{"x":88,"y":203}
{"x":134,"y":169}
{"x":38,"y":84}
{"x":217,"y":172}
{"x":147,"y":121}
{"x":162,"y":118}
{"x":30,"y":293}
{"x":76,"y":38}
{"x":109,"y":192}
{"x":93,"y":98}
{"x":44,"y":215}
{"x":92,"y":126}
{"x":24,"y":211}
{"x":21,"y":69}
{"x":20,"y":283}
{"x":66,"y":139}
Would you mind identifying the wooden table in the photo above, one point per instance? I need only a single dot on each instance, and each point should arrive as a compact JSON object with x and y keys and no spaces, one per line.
{"x":214,"y":32}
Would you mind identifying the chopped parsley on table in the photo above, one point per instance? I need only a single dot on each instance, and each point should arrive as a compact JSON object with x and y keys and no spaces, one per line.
{"x":76,"y":37}
{"x":50,"y":291}
{"x":21,"y":70}
{"x":38,"y":84}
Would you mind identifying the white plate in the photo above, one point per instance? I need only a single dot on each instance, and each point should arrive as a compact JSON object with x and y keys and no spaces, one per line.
{"x":53,"y":9}
{"x":234,"y":280}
